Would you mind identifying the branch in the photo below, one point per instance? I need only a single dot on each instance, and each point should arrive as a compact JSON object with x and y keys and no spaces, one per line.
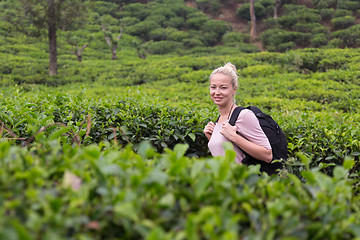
{"x":88,"y":125}
{"x":72,"y":49}
{"x":41,"y":130}
{"x":8,"y":129}
{"x":83,"y":47}
{"x":107,"y":38}
{"x":120,"y":35}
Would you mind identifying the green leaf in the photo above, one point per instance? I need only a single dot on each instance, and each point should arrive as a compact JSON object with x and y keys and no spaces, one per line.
{"x":56,"y":134}
{"x":7,"y":117}
{"x":192,"y":136}
{"x":348,"y":163}
{"x":180,"y":150}
{"x":201,"y":185}
{"x":126,"y":209}
{"x":309,"y":176}
{"x":146,"y":150}
{"x":46,"y":121}
{"x":197,"y":167}
{"x":167,"y":200}
{"x":156,"y":234}
{"x":20,"y":122}
{"x":21,"y":231}
{"x":340,"y":172}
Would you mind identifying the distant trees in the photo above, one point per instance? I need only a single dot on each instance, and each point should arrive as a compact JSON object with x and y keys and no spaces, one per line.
{"x":52,"y":15}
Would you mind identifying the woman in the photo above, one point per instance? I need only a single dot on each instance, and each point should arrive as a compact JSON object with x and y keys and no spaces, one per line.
{"x":251,"y":138}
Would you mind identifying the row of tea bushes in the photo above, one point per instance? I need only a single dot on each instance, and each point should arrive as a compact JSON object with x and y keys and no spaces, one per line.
{"x":58,"y":191}
{"x":128,"y":70}
{"x":326,"y":136}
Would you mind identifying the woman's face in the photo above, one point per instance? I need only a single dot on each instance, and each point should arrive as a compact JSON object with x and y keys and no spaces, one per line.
{"x":221,"y":89}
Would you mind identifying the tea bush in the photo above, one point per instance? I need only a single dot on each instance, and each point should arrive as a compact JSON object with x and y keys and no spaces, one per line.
{"x":343,"y":22}
{"x":99,"y":192}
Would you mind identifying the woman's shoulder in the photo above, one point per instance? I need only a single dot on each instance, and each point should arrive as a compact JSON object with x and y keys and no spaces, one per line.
{"x":246,"y":112}
{"x":246,"y":115}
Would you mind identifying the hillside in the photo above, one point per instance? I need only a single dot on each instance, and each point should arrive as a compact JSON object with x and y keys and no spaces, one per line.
{"x":335,"y":18}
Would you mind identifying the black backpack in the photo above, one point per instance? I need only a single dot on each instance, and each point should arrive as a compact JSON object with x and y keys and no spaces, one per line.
{"x":276,"y":138}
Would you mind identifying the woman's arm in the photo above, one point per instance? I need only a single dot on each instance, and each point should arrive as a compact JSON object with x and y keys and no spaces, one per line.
{"x":256,"y":151}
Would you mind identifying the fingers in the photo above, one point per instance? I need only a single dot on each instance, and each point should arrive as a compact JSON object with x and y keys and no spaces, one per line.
{"x":228,"y":130}
{"x":208,"y":130}
{"x":209,"y":127}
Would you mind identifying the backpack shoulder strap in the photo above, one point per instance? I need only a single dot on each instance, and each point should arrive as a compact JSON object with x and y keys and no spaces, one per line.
{"x":235,"y":115}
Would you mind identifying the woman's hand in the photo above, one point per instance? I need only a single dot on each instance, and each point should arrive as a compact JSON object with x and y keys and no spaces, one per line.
{"x":208,"y":130}
{"x":256,"y":151}
{"x":228,"y":131}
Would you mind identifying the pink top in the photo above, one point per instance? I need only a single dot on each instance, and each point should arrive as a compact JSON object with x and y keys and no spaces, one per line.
{"x":248,"y":126}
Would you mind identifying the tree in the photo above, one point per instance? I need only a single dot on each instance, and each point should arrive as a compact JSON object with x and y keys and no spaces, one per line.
{"x":253,"y":20}
{"x":78,"y":40}
{"x":112,"y":41}
{"x":277,"y":5}
{"x":140,"y":49}
{"x":52,"y":15}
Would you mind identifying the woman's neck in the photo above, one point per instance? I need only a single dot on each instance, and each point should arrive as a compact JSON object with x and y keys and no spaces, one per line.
{"x":225,"y":111}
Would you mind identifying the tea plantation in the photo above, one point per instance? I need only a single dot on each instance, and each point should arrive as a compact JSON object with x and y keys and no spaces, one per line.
{"x":114,"y":149}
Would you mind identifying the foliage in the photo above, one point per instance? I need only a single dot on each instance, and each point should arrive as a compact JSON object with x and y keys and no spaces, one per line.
{"x":234,"y":38}
{"x":343,"y":22}
{"x":348,"y":37}
{"x":99,"y":192}
{"x":243,"y":12}
{"x":115,"y":149}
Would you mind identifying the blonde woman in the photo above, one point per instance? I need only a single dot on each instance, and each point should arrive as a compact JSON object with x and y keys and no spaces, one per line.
{"x":247,"y":135}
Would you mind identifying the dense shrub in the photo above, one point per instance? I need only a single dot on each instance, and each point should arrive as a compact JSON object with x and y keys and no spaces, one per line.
{"x":138,"y":10}
{"x":349,"y":37}
{"x":343,"y":22}
{"x":196,"y":20}
{"x":319,"y":40}
{"x":163,"y":47}
{"x":103,"y":192}
{"x":270,"y":23}
{"x":102,"y":7}
{"x":281,"y":40}
{"x":178,"y":36}
{"x":309,"y":27}
{"x":175,"y":22}
{"x":327,"y":13}
{"x":213,"y":31}
{"x":342,"y":13}
{"x":234,"y":38}
{"x":320,"y":29}
{"x":205,"y":5}
{"x":321,"y":4}
{"x":142,"y":29}
{"x":299,"y":15}
{"x":200,"y":76}
{"x":160,"y":34}
{"x":192,"y":43}
{"x":243,"y":12}
{"x":351,"y":5}
{"x":160,"y":15}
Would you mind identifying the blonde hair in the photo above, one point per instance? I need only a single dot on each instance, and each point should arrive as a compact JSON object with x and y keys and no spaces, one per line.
{"x":228,"y":69}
